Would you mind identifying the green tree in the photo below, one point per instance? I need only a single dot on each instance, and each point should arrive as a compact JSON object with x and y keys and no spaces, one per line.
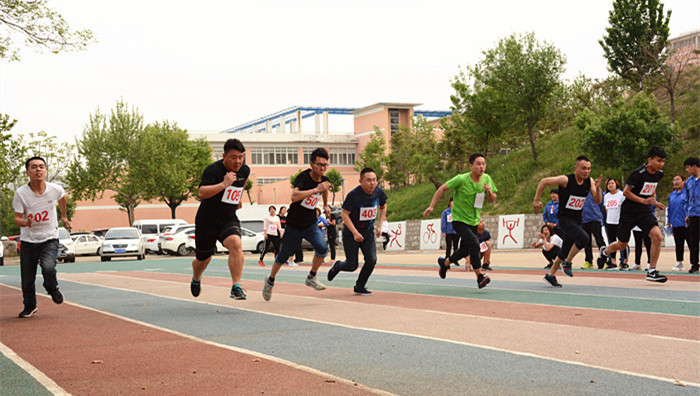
{"x":293,"y":178}
{"x":336,"y":181}
{"x":373,"y":156}
{"x":674,"y":79}
{"x":39,"y":26}
{"x":107,"y":154}
{"x":12,"y":153}
{"x":414,"y":155}
{"x":635,"y":40}
{"x":167,"y":165}
{"x":620,"y":136}
{"x":248,"y":187}
{"x":524,"y":75}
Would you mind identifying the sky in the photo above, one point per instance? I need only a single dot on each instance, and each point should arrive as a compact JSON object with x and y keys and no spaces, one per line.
{"x":211,"y":65}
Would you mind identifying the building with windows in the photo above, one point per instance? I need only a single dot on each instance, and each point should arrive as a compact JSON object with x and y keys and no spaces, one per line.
{"x":277,"y":146}
{"x":684,"y":49}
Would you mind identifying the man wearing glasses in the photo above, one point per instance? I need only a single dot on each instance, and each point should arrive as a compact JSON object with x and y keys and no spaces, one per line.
{"x":310,"y":187}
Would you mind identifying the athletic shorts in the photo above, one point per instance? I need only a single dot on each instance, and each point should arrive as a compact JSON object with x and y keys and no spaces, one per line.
{"x":207,"y":233}
{"x":645,"y":222}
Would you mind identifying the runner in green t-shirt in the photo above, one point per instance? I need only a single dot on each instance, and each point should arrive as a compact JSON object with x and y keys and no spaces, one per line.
{"x":470,"y":191}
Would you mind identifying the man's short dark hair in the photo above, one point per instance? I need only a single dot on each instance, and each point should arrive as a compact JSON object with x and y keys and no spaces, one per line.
{"x":36,"y":157}
{"x":692,"y":161}
{"x":366,"y":170}
{"x":234,"y":144}
{"x":582,"y":158}
{"x":656,"y":151}
{"x":271,"y":207}
{"x":554,"y":191}
{"x":474,"y":156}
{"x":319,"y":152}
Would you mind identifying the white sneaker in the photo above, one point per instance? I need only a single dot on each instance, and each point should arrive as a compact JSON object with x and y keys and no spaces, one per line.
{"x":293,"y":264}
{"x":635,"y":267}
{"x":313,"y":282}
{"x":647,"y":267}
{"x":678,"y":267}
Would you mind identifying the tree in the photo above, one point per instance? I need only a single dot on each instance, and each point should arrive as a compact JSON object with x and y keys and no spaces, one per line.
{"x":248,"y":187}
{"x":635,"y":40}
{"x":414,"y":155}
{"x":674,"y":79}
{"x":373,"y":156}
{"x":167,"y":165}
{"x":39,"y":26}
{"x":524,"y":75}
{"x":620,"y":136}
{"x":293,"y":178}
{"x":107,"y":155}
{"x":336,"y":181}
{"x":12,"y":153}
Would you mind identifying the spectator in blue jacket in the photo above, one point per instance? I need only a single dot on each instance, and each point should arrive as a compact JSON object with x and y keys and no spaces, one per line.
{"x":676,"y":212}
{"x":449,"y":233}
{"x":550,"y":215}
{"x":692,"y":194}
{"x":592,"y":219}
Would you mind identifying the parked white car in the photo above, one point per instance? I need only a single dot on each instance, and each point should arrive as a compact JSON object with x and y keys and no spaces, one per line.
{"x":252,"y":242}
{"x":176,"y":243}
{"x":167,"y":235}
{"x":151,"y":229}
{"x":123,"y":241}
{"x":66,"y":249}
{"x":87,"y":244}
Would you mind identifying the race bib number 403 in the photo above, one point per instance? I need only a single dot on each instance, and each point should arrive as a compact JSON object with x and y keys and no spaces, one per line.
{"x":648,"y":189}
{"x":575,"y":203}
{"x":232,"y":195}
{"x":311,"y":201}
{"x":367,"y":214}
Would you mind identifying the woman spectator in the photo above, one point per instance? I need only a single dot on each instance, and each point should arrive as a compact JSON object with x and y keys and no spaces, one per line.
{"x":550,"y":243}
{"x":273,"y":233}
{"x":675,"y":217}
{"x":612,"y":201}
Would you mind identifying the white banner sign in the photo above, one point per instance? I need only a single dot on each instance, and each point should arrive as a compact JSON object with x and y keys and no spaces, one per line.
{"x":397,"y":236}
{"x":511,"y":231}
{"x":430,"y":234}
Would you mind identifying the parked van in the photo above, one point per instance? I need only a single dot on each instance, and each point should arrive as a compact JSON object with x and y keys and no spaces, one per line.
{"x":151,"y":229}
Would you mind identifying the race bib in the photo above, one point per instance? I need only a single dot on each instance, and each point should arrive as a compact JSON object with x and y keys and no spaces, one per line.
{"x":311,"y":201}
{"x":232,"y":195}
{"x":367,"y":214}
{"x":479,"y":200}
{"x":611,"y":204}
{"x":575,"y":203}
{"x":42,"y":216}
{"x":648,"y":189}
{"x":483,"y":247}
{"x":272,"y":229}
{"x":449,"y":217}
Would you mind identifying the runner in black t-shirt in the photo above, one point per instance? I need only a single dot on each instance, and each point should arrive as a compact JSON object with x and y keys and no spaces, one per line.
{"x":310,"y":187}
{"x":573,"y":190}
{"x":221,"y":190}
{"x":640,"y":192}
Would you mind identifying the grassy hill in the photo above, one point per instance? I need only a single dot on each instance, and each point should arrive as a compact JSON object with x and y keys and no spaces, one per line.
{"x":516,"y":176}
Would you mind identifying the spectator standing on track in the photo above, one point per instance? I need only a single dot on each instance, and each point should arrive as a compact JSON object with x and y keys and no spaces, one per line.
{"x":310,"y":186}
{"x":220,"y":192}
{"x":34,"y":206}
{"x":364,"y":205}
{"x":676,"y":212}
{"x":692,"y":191}
{"x":448,"y":232}
{"x":612,"y":202}
{"x":273,"y":234}
{"x":385,"y":233}
{"x":332,"y":233}
{"x":592,"y":218}
{"x":470,"y":191}
{"x":550,"y":243}
{"x":550,"y":214}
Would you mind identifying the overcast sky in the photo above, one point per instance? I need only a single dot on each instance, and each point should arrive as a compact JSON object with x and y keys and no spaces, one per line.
{"x":211,"y":65}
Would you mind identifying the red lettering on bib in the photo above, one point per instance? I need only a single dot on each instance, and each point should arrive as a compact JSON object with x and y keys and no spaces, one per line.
{"x":367,"y":214}
{"x":648,"y":189}
{"x":311,"y":201}
{"x":232,"y":195}
{"x":575,"y":203}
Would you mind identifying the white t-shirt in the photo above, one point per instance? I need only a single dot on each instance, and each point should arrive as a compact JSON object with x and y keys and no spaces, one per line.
{"x":2,"y":249}
{"x":555,"y":239}
{"x":41,"y":208}
{"x":613,"y":203}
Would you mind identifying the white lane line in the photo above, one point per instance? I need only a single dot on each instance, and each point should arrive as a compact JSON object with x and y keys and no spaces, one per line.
{"x":44,"y":380}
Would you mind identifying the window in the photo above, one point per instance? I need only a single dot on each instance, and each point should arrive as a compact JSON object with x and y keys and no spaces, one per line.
{"x":394,"y":120}
{"x":342,"y":156}
{"x":274,"y":155}
{"x":307,"y":154}
{"x":269,"y":180}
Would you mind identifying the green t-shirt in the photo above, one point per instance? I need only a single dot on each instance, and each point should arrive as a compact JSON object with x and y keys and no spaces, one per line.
{"x":465,"y":197}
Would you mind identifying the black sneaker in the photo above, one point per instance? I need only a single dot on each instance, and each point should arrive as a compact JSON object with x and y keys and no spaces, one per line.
{"x":694,"y":269}
{"x":361,"y":291}
{"x":482,"y":280}
{"x":195,"y":288}
{"x":624,"y":267}
{"x":566,"y":267}
{"x":27,"y":312}
{"x":655,"y":276}
{"x":552,"y":280}
{"x":610,"y":266}
{"x":56,"y":296}
{"x":333,"y":271}
{"x":443,"y":268}
{"x":548,"y":266}
{"x":237,"y":293}
{"x":602,"y":258}
{"x":486,"y":267}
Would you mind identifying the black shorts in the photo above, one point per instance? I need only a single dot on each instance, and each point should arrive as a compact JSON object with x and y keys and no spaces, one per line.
{"x":628,"y":221}
{"x":206,"y":233}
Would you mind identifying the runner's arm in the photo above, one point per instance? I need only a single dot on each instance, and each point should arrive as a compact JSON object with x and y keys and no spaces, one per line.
{"x":381,"y":215}
{"x":347,"y":222}
{"x":436,"y":197}
{"x":560,"y":181}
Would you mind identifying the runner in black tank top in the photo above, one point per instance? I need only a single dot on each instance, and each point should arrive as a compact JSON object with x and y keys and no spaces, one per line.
{"x":573,"y":190}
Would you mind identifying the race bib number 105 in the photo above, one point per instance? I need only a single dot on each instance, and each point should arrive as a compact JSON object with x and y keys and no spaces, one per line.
{"x":232,"y":195}
{"x":575,"y":203}
{"x":311,"y":201}
{"x":367,"y":214}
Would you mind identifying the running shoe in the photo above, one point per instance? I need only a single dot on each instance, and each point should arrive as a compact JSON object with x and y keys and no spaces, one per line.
{"x":311,"y":281}
{"x":624,"y":267}
{"x":237,"y":293}
{"x":655,"y":276}
{"x":552,"y":280}
{"x":27,"y":312}
{"x":694,"y":269}
{"x":333,"y":271}
{"x":443,"y":268}
{"x":602,"y":258}
{"x":361,"y":291}
{"x":486,"y":267}
{"x":482,"y":280}
{"x":261,"y":263}
{"x":587,"y":265}
{"x":635,"y":267}
{"x":548,"y":266}
{"x":267,"y":289}
{"x":678,"y":267}
{"x":566,"y":267}
{"x":195,"y":288}
{"x":293,"y":264}
{"x":56,"y":296}
{"x":610,"y":266}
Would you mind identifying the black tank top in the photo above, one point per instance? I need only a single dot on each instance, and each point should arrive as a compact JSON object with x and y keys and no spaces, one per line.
{"x":572,"y":197}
